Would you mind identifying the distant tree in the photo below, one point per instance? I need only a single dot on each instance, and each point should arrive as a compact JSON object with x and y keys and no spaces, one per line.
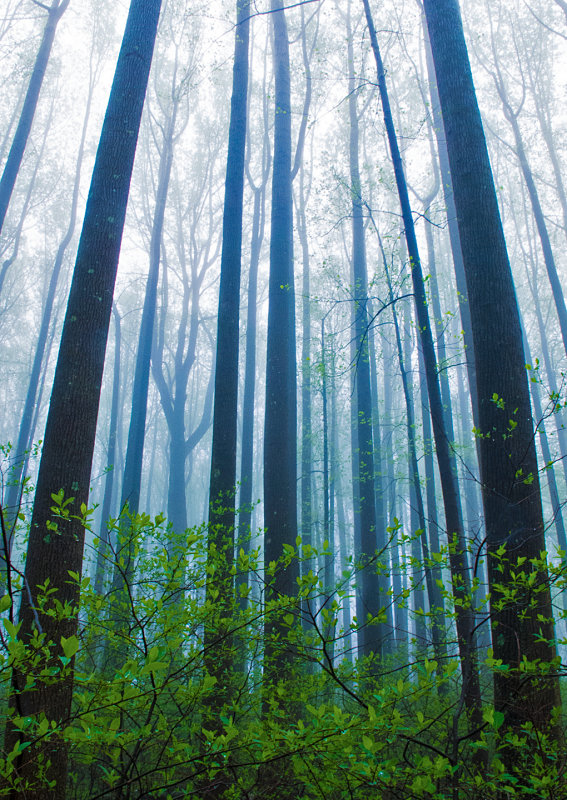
{"x":512,"y":114}
{"x":136,"y":433}
{"x":25,"y":433}
{"x":196,"y":245}
{"x":111,"y":457}
{"x":56,"y":544}
{"x":8,"y":180}
{"x":522,"y":625}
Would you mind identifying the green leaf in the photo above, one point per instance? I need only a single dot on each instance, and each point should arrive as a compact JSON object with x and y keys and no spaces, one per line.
{"x":11,"y":628}
{"x":70,"y":646}
{"x":5,"y":603}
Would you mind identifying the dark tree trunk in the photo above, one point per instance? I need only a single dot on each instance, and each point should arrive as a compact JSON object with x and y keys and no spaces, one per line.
{"x":382,"y":543}
{"x":14,"y":160}
{"x":222,"y":487}
{"x":371,"y":634}
{"x":445,"y":459}
{"x":248,"y":400}
{"x":522,"y":626}
{"x":71,"y":424}
{"x":223,"y":458}
{"x":453,"y":227}
{"x":461,"y":584}
{"x":420,"y":547}
{"x":280,"y":431}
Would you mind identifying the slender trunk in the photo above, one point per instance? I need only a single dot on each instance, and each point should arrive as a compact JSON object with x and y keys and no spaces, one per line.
{"x":382,"y":542}
{"x":247,"y":452}
{"x":306,"y":432}
{"x":223,"y":459}
{"x":328,"y":628}
{"x":556,"y":505}
{"x":400,"y":607}
{"x":130,"y":498}
{"x":14,"y":160}
{"x":537,"y":210}
{"x":371,"y":633}
{"x":111,"y":466}
{"x":420,"y":547}
{"x":248,"y":401}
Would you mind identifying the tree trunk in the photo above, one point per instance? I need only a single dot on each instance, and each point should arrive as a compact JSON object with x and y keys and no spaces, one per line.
{"x":280,"y":429}
{"x":445,"y":459}
{"x":523,"y":625}
{"x":130,"y":498}
{"x":14,"y":160}
{"x":222,"y":487}
{"x":111,"y":467}
{"x":371,"y":634}
{"x":71,"y":424}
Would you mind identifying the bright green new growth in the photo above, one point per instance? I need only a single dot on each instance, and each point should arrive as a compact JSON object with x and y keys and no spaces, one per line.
{"x":141,"y":724}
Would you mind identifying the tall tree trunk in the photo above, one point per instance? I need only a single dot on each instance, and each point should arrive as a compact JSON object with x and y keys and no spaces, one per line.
{"x":420,"y":546}
{"x":280,"y":429}
{"x":382,"y":542}
{"x":445,"y":458}
{"x":222,"y":487}
{"x":71,"y":424}
{"x":557,"y":515}
{"x":327,"y":626}
{"x":371,"y":634}
{"x":14,"y":160}
{"x":523,"y":625}
{"x":454,"y":236}
{"x":248,"y":401}
{"x":306,"y":429}
{"x":400,"y":607}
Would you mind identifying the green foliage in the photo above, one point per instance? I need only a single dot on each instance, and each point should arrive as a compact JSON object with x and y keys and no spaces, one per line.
{"x":154,"y":718}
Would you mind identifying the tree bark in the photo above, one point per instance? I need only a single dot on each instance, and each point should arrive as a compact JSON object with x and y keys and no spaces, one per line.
{"x":445,"y":459}
{"x":71,"y":424}
{"x":280,"y":428}
{"x":522,"y":626}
